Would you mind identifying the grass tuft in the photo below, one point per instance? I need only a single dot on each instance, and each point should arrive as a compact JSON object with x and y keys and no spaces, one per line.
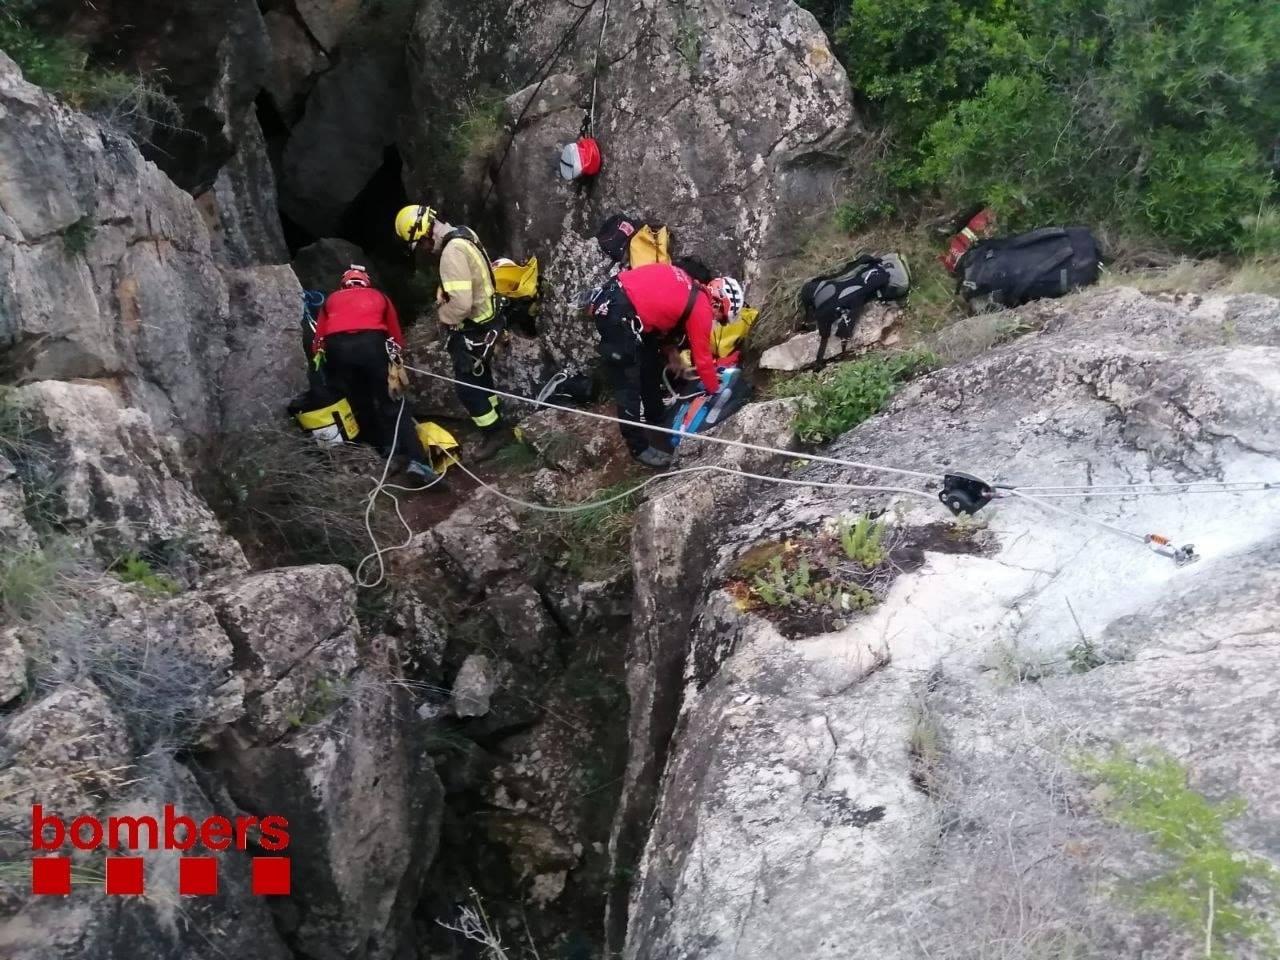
{"x":594,"y":543}
{"x":837,"y":399}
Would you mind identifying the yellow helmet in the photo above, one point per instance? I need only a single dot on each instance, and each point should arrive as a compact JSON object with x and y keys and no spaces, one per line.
{"x":414,"y":223}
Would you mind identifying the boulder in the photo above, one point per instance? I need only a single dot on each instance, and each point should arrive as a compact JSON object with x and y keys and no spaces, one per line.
{"x":320,"y":265}
{"x":61,"y":752}
{"x":532,"y":846}
{"x":327,"y":20}
{"x":567,"y":442}
{"x":480,"y":541}
{"x":13,"y":665}
{"x":295,"y":640}
{"x":594,"y":606}
{"x":674,"y":547}
{"x":242,"y":209}
{"x":172,"y":667}
{"x":522,"y":621}
{"x":474,"y":686}
{"x":420,"y":635}
{"x":341,"y":141}
{"x":363,"y":804}
{"x":211,"y":60}
{"x":233,"y":922}
{"x":295,"y":62}
{"x":16,"y":534}
{"x":968,"y":695}
{"x":266,"y":367}
{"x":120,"y":484}
{"x":873,"y":329}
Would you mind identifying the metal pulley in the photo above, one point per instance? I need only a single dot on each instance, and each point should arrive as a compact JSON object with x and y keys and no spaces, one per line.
{"x":963,"y":493}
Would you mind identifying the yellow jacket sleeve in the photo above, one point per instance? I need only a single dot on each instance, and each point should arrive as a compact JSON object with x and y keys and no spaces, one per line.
{"x":456,"y":282}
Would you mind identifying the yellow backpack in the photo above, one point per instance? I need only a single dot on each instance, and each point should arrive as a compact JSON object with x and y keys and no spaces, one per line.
{"x":728,"y":337}
{"x":516,"y":281}
{"x":439,"y":444}
{"x":649,"y":245}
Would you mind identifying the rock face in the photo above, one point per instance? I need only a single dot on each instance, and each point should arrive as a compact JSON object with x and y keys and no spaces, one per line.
{"x":917,"y":765}
{"x":112,"y":274}
{"x":118,"y":483}
{"x":723,"y":119}
{"x":194,"y":683}
{"x":674,"y":548}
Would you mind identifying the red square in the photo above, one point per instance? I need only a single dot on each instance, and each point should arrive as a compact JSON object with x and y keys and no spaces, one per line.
{"x":124,"y":876}
{"x":51,"y":876}
{"x":271,"y":876}
{"x":198,"y":876}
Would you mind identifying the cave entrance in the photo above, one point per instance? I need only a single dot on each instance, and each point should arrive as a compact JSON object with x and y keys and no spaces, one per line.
{"x":367,"y":221}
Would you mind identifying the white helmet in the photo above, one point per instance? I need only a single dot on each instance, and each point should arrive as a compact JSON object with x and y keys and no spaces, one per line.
{"x":729,"y":296}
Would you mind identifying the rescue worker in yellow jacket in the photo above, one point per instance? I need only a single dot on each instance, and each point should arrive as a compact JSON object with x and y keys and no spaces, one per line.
{"x":468,"y":309}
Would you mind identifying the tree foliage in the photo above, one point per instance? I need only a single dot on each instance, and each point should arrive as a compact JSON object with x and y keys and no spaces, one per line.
{"x":1155,"y":117}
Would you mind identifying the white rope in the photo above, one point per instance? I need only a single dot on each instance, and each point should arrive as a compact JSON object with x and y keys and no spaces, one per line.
{"x":589,"y":505}
{"x":1054,"y":508}
{"x":1037,"y":495}
{"x":758,"y":448}
{"x":595,"y":70}
{"x":1089,"y":494}
{"x":1124,"y":489}
{"x":380,"y":488}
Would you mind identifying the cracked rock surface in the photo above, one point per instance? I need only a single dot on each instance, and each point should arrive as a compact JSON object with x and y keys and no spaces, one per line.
{"x":906,"y":784}
{"x":723,"y":118}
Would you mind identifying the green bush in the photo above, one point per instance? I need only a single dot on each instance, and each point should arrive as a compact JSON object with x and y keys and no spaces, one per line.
{"x":843,"y":396}
{"x":1150,"y":117}
{"x":133,"y":103}
{"x":913,"y":57}
{"x":594,"y":543}
{"x":27,"y":579}
{"x":1204,"y":880}
{"x":863,"y":541}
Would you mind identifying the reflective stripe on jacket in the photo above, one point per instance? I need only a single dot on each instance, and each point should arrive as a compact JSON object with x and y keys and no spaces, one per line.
{"x":466,"y":280}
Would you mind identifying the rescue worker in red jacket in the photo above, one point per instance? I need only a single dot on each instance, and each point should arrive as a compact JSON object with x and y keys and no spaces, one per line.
{"x":353,"y":331}
{"x":641,"y":315}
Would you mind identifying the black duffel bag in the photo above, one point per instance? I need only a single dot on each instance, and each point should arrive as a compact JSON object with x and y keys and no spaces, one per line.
{"x":1011,"y":271}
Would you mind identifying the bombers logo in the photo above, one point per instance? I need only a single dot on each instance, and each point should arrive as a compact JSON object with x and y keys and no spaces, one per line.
{"x":126,"y":836}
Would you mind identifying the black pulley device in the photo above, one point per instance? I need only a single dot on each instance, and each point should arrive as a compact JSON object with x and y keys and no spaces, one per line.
{"x":963,"y":493}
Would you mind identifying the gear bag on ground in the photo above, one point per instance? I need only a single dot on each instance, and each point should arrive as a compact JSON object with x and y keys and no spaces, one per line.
{"x":1011,"y":271}
{"x":834,"y":301}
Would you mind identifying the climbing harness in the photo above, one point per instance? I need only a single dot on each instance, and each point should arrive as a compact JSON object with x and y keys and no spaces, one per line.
{"x":397,"y":378}
{"x":480,"y":349}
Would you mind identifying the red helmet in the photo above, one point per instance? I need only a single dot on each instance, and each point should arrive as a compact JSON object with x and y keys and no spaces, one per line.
{"x":356,"y":277}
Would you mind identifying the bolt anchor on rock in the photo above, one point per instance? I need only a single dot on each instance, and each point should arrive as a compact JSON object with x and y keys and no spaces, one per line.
{"x":1182,"y":556}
